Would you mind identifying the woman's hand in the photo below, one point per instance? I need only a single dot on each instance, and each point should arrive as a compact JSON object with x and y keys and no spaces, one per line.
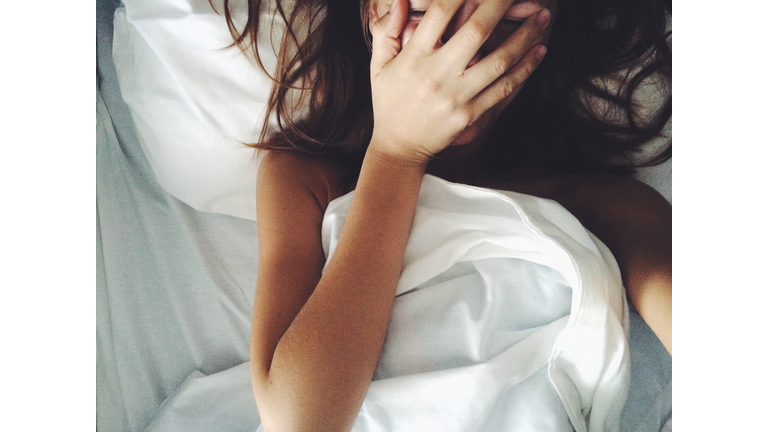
{"x":424,"y":94}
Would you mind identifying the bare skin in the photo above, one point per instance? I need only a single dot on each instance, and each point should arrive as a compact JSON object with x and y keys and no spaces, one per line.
{"x":317,"y":335}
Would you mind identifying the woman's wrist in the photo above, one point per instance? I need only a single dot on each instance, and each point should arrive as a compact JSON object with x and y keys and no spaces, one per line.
{"x":400,"y":155}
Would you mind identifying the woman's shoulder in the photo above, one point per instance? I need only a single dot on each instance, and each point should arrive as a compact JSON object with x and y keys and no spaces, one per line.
{"x":294,"y":173}
{"x":612,"y":194}
{"x":602,"y":199}
{"x":594,"y":198}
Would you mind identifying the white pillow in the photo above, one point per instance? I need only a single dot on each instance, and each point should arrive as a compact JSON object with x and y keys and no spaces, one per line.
{"x":194,"y":102}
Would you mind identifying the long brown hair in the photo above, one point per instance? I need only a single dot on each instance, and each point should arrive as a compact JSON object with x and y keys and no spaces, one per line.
{"x":578,"y":112}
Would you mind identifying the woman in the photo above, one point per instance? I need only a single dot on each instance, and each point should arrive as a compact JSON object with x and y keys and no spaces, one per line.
{"x":453,"y":91}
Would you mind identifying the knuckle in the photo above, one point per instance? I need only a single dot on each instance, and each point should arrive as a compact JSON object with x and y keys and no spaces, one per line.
{"x":431,"y":85}
{"x":376,"y":30}
{"x":507,"y":89}
{"x":500,"y":66}
{"x":473,"y":33}
{"x":445,"y":106}
{"x":464,"y":116}
{"x":437,"y":12}
{"x":519,"y":78}
{"x":530,"y":66}
{"x":510,"y":84}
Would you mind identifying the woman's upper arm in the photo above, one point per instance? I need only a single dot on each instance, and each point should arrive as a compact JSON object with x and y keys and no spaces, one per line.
{"x":635,"y":222}
{"x":291,"y":203}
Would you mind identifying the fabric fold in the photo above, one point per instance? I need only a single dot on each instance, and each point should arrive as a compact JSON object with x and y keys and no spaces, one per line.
{"x":497,"y":287}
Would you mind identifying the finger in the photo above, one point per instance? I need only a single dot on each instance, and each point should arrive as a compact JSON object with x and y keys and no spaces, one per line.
{"x":509,"y":53}
{"x":429,"y":32}
{"x":468,"y":39}
{"x":385,"y":33}
{"x":509,"y":85}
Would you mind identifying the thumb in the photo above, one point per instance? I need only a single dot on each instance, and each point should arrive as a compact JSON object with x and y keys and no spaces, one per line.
{"x":386,"y":26}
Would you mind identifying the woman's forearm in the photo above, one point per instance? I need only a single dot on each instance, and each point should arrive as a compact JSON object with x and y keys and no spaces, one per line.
{"x":324,"y":363}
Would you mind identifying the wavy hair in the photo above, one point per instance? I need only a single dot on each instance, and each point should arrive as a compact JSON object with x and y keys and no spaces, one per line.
{"x":585,"y":109}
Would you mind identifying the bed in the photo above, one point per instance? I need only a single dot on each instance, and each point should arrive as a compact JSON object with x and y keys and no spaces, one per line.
{"x":176,"y":231}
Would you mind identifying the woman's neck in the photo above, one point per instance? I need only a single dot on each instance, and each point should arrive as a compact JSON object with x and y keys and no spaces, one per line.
{"x":457,"y":164}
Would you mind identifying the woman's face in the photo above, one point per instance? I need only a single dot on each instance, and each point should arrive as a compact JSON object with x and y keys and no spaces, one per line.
{"x":512,"y":20}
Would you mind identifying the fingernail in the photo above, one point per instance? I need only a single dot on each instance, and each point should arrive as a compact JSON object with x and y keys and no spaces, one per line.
{"x":392,"y":6}
{"x":543,"y":18}
{"x":540,"y":53}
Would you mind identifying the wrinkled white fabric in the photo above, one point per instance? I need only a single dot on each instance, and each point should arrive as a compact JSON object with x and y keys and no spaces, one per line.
{"x":504,"y":301}
{"x":194,"y":101}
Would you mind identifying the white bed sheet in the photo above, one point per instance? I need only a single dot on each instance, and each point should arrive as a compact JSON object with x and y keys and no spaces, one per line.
{"x":175,"y":286}
{"x":497,"y":286}
{"x":404,"y":395}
